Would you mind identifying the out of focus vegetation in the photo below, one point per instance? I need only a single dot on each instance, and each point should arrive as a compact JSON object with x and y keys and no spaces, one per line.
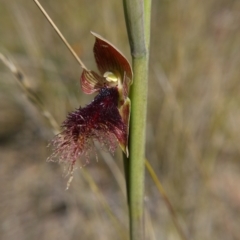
{"x":193,"y":136}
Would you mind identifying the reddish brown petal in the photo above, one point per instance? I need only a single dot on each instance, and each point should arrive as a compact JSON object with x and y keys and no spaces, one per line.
{"x":110,"y":59}
{"x":126,"y":84}
{"x":125,"y":111}
{"x":91,"y":82}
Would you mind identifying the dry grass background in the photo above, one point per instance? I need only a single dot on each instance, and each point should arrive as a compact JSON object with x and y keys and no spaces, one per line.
{"x":193,"y":131}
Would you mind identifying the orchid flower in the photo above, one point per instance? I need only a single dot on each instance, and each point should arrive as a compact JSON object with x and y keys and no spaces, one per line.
{"x":106,"y":118}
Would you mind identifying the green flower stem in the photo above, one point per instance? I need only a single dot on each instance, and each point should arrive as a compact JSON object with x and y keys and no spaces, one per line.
{"x":134,"y":17}
{"x":137,"y":147}
{"x":147,"y":23}
{"x":137,"y":15}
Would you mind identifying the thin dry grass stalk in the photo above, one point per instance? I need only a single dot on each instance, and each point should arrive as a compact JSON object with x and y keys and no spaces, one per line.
{"x":30,"y":94}
{"x":60,"y":35}
{"x":166,"y":200}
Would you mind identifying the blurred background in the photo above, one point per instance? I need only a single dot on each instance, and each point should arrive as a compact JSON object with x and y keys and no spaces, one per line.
{"x":193,"y":134}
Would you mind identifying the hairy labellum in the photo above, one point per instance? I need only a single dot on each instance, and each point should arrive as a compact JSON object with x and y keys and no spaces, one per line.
{"x":99,"y":121}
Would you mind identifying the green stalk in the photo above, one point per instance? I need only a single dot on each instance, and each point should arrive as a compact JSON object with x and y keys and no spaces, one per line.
{"x":137,"y":16}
